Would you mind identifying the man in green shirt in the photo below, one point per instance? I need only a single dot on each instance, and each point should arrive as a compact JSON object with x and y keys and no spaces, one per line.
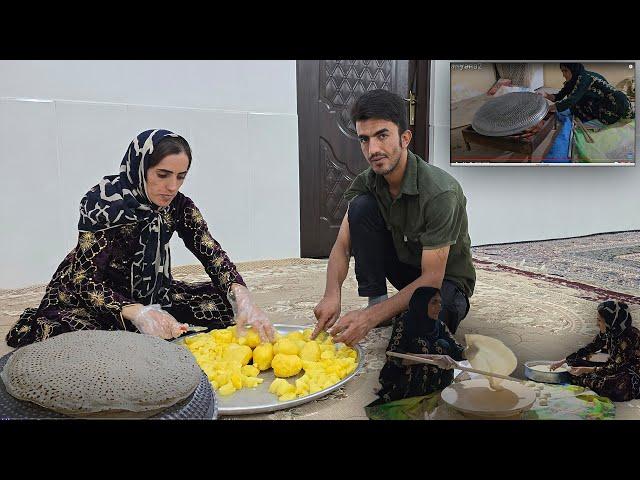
{"x":406,"y":222}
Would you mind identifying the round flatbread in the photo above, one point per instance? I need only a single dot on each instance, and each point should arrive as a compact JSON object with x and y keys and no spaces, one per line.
{"x":102,"y":373}
{"x":491,"y":355}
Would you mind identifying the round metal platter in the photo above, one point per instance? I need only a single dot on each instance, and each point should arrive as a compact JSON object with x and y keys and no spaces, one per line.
{"x":260,"y":400}
{"x":510,"y":114}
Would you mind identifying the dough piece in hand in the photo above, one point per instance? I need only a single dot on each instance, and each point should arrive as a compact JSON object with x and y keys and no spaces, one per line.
{"x":491,"y":355}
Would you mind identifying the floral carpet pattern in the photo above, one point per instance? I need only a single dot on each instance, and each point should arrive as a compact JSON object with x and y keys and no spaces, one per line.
{"x":607,"y":263}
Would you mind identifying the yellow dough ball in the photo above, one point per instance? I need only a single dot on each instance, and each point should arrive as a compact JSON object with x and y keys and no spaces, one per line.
{"x":286,"y":365}
{"x":262,"y":356}
{"x":286,"y":347}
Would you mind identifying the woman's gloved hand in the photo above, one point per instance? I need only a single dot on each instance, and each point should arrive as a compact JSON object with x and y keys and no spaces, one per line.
{"x":248,"y":313}
{"x":153,"y":320}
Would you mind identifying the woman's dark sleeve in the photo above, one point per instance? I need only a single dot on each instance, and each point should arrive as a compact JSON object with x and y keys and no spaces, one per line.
{"x":598,"y":342}
{"x":86,"y":274}
{"x":627,"y":355}
{"x":193,"y":230}
{"x":576,"y":94}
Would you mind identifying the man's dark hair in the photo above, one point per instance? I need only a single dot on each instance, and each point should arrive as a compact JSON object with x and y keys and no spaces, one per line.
{"x":382,"y":105}
{"x":169,"y":146}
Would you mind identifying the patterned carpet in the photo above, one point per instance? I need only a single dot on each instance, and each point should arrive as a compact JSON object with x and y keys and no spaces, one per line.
{"x":537,"y":314}
{"x":605,"y":264}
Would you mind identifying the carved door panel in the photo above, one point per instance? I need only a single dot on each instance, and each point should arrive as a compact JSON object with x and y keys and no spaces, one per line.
{"x":330,"y":155}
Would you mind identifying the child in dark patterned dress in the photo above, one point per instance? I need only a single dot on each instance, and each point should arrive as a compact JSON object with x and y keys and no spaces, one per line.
{"x":418,"y":331}
{"x":619,"y":377}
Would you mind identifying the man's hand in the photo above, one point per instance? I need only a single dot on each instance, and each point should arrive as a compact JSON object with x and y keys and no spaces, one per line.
{"x":577,"y":371}
{"x":557,"y":364}
{"x":327,"y":312}
{"x":553,"y":108}
{"x":351,"y":328}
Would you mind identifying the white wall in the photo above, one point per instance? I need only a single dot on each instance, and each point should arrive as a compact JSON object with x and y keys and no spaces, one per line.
{"x":239,"y":117}
{"x":509,"y":204}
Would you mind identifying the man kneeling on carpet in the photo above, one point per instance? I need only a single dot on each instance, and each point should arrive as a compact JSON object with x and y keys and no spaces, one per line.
{"x":618,"y":378}
{"x":406,"y":222}
{"x":420,"y":332}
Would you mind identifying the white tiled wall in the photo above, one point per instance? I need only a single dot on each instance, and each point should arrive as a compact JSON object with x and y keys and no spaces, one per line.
{"x":244,"y":175}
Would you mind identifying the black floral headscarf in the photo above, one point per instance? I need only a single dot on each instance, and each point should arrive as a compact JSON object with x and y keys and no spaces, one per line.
{"x":122,"y":199}
{"x":616,"y":317}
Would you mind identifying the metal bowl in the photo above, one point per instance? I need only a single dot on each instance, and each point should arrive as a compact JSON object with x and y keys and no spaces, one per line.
{"x":510,"y":114}
{"x":544,"y":377}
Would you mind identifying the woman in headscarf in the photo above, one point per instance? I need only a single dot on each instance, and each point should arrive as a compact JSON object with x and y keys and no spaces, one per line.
{"x":418,"y":331}
{"x":589,"y":96}
{"x":619,"y":377}
{"x":122,"y":264}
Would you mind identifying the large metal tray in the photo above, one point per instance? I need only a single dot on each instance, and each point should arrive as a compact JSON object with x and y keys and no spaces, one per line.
{"x":510,"y":114}
{"x":258,"y":400}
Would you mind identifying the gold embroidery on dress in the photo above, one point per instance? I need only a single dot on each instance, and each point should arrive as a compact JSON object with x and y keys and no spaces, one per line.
{"x":209,"y":306}
{"x":197,"y":217}
{"x":97,"y":298}
{"x":127,"y":230}
{"x":87,"y":240}
{"x":168,"y":219}
{"x":207,"y":241}
{"x":63,"y":297}
{"x":79,"y":276}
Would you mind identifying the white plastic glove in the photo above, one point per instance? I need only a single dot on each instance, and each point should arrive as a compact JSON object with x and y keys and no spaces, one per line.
{"x":152,"y":320}
{"x":249,"y":314}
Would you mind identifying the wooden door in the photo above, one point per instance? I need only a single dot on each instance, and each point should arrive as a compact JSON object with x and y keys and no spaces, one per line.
{"x":330,"y":155}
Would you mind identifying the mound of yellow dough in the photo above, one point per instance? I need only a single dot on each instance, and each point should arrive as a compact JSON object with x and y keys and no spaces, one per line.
{"x":232,"y":361}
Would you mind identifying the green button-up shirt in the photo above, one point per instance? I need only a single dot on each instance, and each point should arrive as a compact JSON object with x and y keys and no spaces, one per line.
{"x":429,"y":213}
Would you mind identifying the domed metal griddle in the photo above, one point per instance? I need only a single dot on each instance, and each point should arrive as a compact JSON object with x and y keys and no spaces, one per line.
{"x":510,"y":114}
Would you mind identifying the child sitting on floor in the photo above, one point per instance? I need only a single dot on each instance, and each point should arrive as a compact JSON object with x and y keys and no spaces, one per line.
{"x":418,"y":331}
{"x":618,"y":378}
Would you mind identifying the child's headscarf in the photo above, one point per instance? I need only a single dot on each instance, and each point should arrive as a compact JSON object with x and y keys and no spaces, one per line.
{"x":122,"y":199}
{"x":419,"y":324}
{"x":616,"y":317}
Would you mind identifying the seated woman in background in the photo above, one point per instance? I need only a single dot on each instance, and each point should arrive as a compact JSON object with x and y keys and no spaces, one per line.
{"x":122,"y":263}
{"x":590,"y":96}
{"x":419,"y":332}
{"x":618,"y":378}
